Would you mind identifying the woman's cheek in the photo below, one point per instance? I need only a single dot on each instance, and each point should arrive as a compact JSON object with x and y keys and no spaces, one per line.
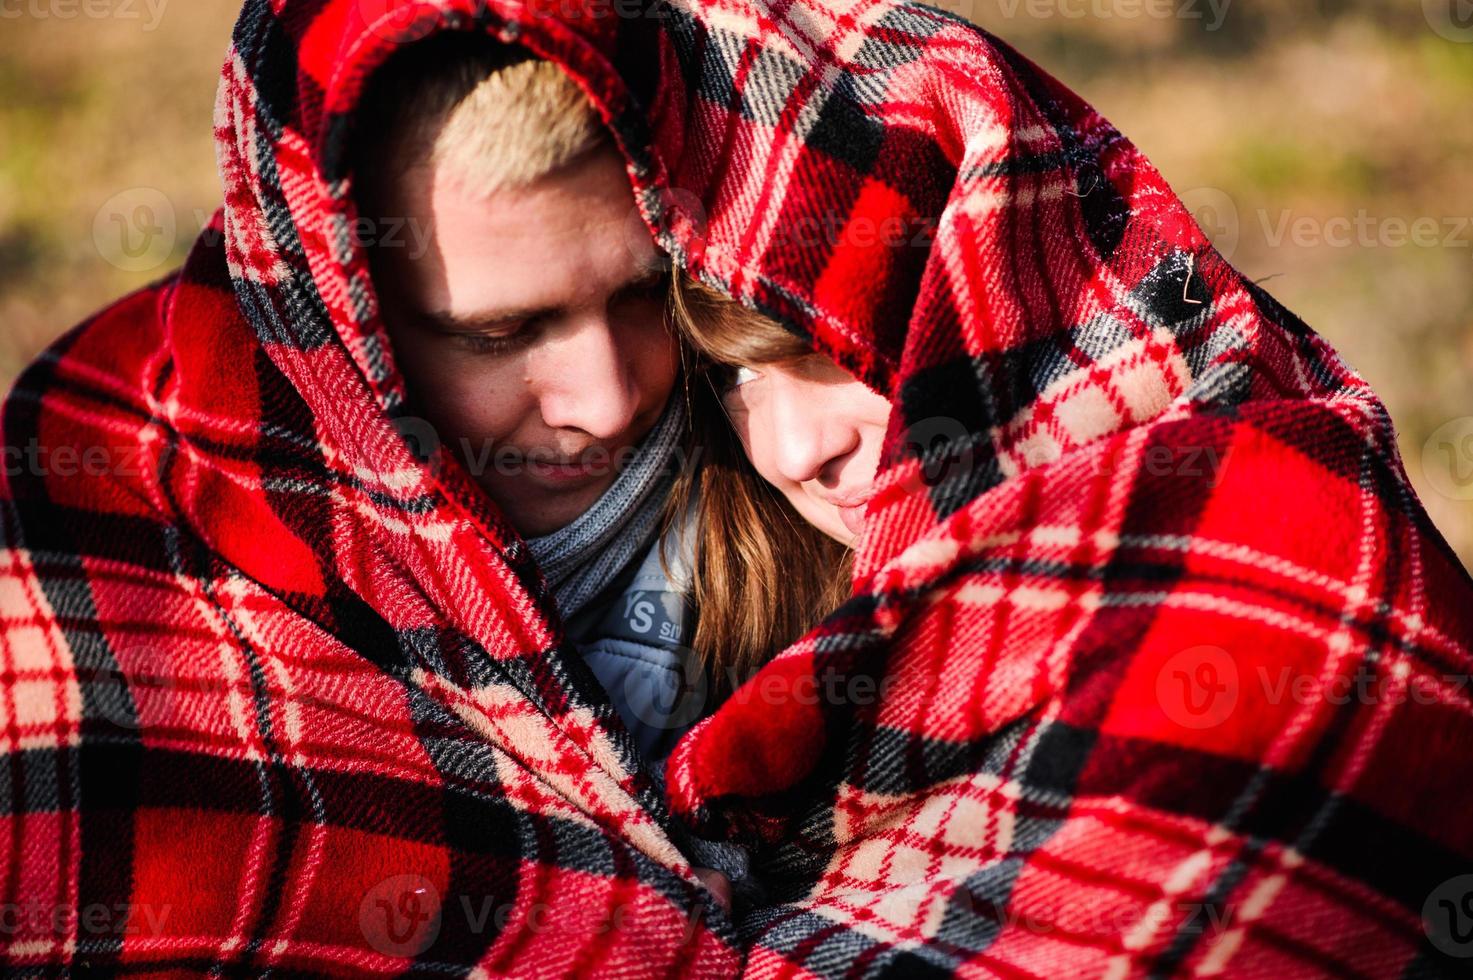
{"x":757,"y":431}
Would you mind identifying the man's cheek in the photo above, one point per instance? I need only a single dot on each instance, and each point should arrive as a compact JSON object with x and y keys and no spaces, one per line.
{"x":476,"y":406}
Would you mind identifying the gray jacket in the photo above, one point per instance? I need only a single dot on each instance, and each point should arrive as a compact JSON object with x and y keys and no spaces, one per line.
{"x":635,"y":636}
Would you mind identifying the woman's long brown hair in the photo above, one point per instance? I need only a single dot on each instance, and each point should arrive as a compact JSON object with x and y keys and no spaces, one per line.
{"x":763,"y":575}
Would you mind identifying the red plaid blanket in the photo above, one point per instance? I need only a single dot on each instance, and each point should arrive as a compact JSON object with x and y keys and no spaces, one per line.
{"x":1155,"y":664}
{"x":278,"y":695}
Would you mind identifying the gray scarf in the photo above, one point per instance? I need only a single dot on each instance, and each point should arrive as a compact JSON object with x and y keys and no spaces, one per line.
{"x":579,"y":560}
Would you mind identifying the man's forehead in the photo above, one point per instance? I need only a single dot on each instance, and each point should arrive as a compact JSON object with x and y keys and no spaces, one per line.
{"x":573,"y":237}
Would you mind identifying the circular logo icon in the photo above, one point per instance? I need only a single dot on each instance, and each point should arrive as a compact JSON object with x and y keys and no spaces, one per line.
{"x":944,"y":448}
{"x":400,"y":916}
{"x":421,"y":438}
{"x":401,"y":21}
{"x":675,"y":705}
{"x":1217,"y":216}
{"x":1447,"y":459}
{"x":1451,"y":19}
{"x":1447,"y":916}
{"x":144,"y":698}
{"x":679,"y":214}
{"x":1198,"y":688}
{"x":136,"y":229}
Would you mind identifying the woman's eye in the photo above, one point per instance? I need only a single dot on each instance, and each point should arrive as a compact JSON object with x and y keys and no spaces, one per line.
{"x":742,"y":375}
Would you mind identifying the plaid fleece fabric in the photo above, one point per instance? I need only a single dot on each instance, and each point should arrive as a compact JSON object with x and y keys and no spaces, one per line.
{"x":278,"y":695}
{"x":281,"y":696}
{"x":1155,"y":665}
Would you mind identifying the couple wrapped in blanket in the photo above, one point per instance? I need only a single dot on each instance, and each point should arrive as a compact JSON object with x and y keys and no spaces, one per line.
{"x":806,"y":501}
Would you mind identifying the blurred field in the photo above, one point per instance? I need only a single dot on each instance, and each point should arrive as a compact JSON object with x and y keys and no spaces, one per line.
{"x":1325,"y":144}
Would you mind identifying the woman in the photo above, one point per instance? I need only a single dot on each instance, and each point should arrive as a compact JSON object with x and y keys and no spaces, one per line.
{"x":789,"y":444}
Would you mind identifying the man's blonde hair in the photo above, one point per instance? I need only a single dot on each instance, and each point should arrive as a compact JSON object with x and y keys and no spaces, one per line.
{"x":501,"y":117}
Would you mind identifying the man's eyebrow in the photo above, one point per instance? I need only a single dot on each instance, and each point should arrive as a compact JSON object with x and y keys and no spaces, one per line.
{"x":453,"y":321}
{"x":450,"y":320}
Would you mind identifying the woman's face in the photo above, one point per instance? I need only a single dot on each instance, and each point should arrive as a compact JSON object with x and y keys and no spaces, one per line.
{"x":814,"y":432}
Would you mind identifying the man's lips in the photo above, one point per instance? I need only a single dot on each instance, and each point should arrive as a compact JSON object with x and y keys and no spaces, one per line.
{"x":590,"y":464}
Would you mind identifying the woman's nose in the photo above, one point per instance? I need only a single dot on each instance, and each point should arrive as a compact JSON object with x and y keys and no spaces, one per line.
{"x":806,"y":438}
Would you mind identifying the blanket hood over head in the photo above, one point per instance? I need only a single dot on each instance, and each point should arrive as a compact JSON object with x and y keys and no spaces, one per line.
{"x":283,"y":665}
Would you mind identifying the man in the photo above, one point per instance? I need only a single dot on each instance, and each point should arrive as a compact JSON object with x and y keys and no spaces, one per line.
{"x":531,"y":330}
{"x":281,"y":695}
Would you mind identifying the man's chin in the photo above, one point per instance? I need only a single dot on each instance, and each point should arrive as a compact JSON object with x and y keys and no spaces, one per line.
{"x":537,"y":505}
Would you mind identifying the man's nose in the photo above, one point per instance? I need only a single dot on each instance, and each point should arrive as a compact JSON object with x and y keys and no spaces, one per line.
{"x":807,"y":440}
{"x":587,"y":381}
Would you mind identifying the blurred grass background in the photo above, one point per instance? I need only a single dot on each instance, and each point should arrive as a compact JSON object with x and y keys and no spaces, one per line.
{"x":1308,"y":136}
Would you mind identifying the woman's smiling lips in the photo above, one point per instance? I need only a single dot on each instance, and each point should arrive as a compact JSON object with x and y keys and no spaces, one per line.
{"x":851,"y":509}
